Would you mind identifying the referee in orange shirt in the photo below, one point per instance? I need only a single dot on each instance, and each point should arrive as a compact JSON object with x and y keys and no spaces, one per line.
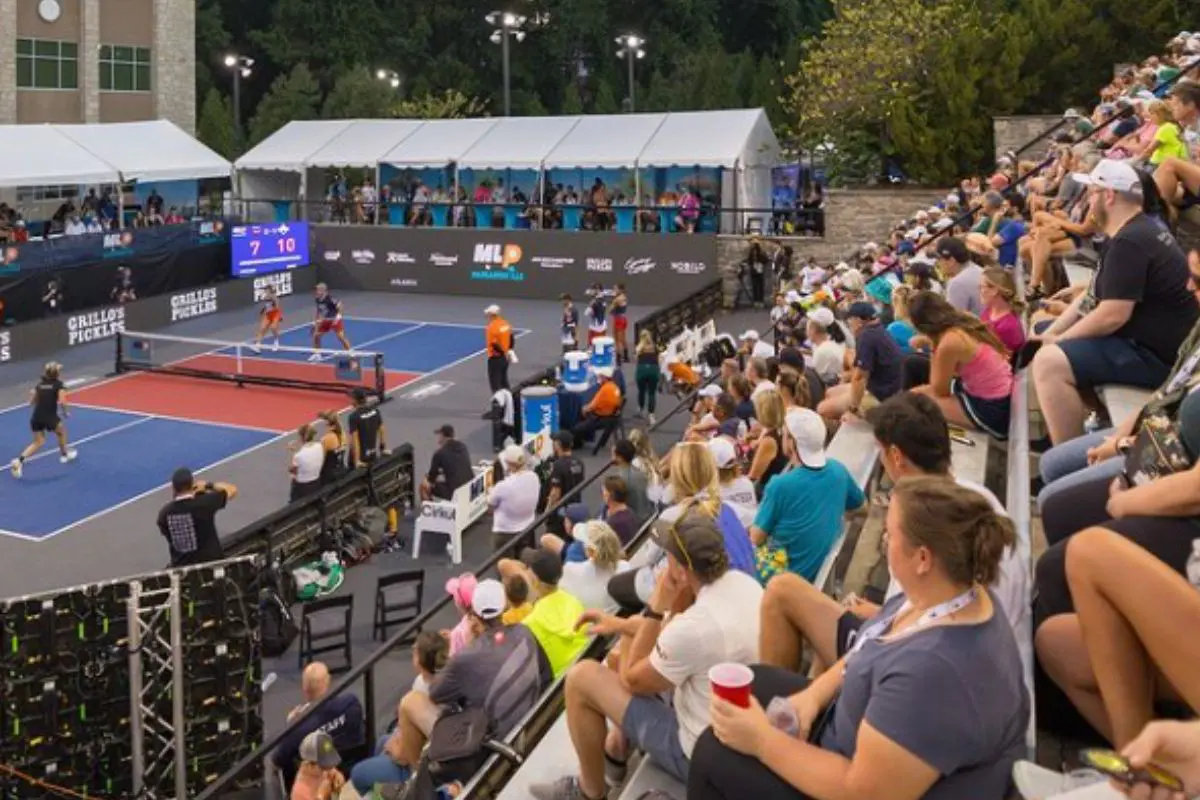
{"x":499,"y":348}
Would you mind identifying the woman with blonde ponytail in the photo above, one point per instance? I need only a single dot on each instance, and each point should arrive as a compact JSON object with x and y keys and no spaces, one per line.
{"x":1002,"y":308}
{"x":934,"y":679}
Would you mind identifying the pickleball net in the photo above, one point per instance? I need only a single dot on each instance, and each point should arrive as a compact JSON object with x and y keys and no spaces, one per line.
{"x":243,"y":363}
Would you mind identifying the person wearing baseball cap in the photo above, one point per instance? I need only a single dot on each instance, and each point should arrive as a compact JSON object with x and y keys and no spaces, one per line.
{"x":877,"y":372}
{"x":319,"y":777}
{"x":803,"y":509}
{"x":736,"y":489}
{"x":962,"y":274}
{"x":513,"y":500}
{"x":556,"y":613}
{"x":719,"y":626}
{"x":566,"y":472}
{"x":501,"y":671}
{"x":1142,"y":309}
{"x":754,"y":346}
{"x":189,"y":521}
{"x":828,"y":342}
{"x":500,"y":341}
{"x":449,"y":467}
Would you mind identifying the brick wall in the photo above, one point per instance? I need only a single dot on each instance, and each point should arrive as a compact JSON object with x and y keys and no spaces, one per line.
{"x":853,"y":217}
{"x":1012,"y":133}
{"x":175,"y":62}
{"x":8,"y":62}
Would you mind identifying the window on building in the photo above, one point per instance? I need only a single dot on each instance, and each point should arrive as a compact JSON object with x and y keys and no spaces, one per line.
{"x":47,"y":64}
{"x":33,"y":194}
{"x":124,"y":69}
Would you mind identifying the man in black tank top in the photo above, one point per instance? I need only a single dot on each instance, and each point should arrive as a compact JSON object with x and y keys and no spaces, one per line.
{"x":46,"y":398}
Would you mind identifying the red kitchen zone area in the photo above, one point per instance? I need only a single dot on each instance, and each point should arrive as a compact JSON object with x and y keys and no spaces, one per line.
{"x":272,"y":408}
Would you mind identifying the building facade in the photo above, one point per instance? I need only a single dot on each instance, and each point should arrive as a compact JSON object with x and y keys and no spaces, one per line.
{"x":86,"y":61}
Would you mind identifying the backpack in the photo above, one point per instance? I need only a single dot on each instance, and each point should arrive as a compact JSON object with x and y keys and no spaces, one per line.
{"x":278,"y":626}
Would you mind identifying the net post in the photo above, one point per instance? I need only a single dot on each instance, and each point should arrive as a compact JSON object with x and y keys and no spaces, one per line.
{"x":119,"y":356}
{"x":380,"y":377}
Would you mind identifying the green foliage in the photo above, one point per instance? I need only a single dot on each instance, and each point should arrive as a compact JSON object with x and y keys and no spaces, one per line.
{"x":449,"y":104}
{"x":294,"y":96}
{"x":214,"y":124}
{"x":359,"y":94}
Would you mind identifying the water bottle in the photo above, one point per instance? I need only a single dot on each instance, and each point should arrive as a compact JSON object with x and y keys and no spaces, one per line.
{"x":782,"y":716}
{"x":269,"y":681}
{"x":1193,"y":564}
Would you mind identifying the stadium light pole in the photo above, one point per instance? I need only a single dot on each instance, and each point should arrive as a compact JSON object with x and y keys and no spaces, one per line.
{"x":240,"y":66}
{"x":391,"y":77}
{"x":631,"y":50}
{"x":507,"y":24}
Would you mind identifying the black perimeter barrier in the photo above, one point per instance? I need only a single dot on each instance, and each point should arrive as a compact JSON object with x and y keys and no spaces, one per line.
{"x":293,"y":541}
{"x":63,"y":331}
{"x":505,"y":264}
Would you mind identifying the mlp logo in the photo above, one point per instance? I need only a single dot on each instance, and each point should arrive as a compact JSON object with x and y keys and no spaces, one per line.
{"x":499,"y":262}
{"x":118,"y":245}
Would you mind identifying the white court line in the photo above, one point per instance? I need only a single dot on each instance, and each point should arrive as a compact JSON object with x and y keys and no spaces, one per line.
{"x":239,"y":454}
{"x":93,"y":437}
{"x":172,"y":418}
{"x":386,"y":337}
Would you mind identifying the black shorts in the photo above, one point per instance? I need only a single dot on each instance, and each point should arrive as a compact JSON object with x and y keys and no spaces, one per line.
{"x":848,"y":626}
{"x":40,"y":424}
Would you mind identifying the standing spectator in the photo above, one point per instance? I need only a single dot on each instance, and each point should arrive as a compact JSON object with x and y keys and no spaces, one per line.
{"x":341,"y":717}
{"x":878,"y":367}
{"x":720,"y":625}
{"x":189,"y":523}
{"x":636,"y":481}
{"x":647,"y":375}
{"x":308,"y":456}
{"x":449,"y":467}
{"x":1128,"y":329}
{"x":514,"y":499}
{"x":500,"y":341}
{"x":1002,"y":309}
{"x":962,"y":275}
{"x":154,"y":207}
{"x":333,"y":443}
{"x":368,"y":437}
{"x":566,"y":472}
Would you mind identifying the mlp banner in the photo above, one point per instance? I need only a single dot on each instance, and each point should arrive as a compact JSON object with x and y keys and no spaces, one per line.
{"x":540,"y":265}
{"x":66,"y":252}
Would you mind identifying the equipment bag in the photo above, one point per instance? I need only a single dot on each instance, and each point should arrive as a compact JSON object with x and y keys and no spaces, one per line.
{"x":278,"y":625}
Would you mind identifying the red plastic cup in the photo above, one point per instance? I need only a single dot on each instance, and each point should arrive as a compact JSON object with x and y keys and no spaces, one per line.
{"x":732,"y":682}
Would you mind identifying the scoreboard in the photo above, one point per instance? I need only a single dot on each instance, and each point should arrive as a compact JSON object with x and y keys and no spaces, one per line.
{"x":274,"y":247}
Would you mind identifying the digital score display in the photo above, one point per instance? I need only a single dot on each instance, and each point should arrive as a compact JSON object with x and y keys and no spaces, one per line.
{"x":263,"y":249}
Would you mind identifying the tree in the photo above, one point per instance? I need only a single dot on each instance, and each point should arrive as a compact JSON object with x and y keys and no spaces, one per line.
{"x":359,"y":94}
{"x":572,"y":103}
{"x":294,"y":96}
{"x":605,"y":100}
{"x":212,"y":41}
{"x":214,"y":125}
{"x":325,"y":35}
{"x":450,"y":104}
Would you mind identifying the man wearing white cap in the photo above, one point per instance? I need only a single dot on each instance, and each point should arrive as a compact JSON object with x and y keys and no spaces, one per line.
{"x":755,"y":347}
{"x":1127,"y":330}
{"x":802,"y":510}
{"x":514,"y":499}
{"x":736,"y":489}
{"x":499,"y":348}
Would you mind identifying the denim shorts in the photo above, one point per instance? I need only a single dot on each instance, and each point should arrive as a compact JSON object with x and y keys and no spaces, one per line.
{"x":1112,"y":359}
{"x":652,"y":727}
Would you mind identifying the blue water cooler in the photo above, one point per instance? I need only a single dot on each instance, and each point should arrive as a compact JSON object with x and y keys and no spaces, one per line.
{"x":604,"y":353}
{"x":539,"y":416}
{"x":575,"y":371}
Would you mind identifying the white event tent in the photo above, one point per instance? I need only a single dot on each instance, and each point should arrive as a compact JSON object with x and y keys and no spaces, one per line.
{"x":106,"y":153}
{"x":740,"y":143}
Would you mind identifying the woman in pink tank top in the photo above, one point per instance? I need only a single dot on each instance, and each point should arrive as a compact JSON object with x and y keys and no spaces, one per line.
{"x":970,"y":377}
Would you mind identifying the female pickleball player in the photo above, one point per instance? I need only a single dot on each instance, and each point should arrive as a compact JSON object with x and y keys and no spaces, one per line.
{"x":270,"y":317}
{"x":329,"y":318}
{"x":46,"y":398}
{"x":619,"y":311}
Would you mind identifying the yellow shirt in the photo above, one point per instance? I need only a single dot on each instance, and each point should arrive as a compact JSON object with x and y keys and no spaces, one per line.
{"x":552,"y":623}
{"x":1170,"y":144}
{"x":517,"y":615}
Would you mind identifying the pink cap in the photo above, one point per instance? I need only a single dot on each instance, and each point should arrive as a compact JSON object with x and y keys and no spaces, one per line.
{"x":462,"y":589}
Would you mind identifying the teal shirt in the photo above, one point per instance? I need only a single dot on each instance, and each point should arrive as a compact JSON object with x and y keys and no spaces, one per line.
{"x":803,"y":512}
{"x":903,"y":333}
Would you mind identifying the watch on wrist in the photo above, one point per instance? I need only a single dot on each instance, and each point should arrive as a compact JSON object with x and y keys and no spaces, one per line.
{"x":649,"y":613}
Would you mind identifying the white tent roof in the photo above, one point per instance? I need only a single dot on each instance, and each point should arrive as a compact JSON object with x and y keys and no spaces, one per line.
{"x":518,"y":143}
{"x":364,"y":143}
{"x":156,"y":150}
{"x":42,"y":155}
{"x":605,"y":141}
{"x":287,"y":148}
{"x":712,"y":139}
{"x":439,"y":142}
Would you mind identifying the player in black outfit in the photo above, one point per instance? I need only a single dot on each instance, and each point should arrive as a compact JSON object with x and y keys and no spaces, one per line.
{"x":367,"y":433}
{"x":46,"y":398}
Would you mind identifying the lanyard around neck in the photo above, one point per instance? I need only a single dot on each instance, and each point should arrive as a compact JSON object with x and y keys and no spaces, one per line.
{"x":878,"y":628}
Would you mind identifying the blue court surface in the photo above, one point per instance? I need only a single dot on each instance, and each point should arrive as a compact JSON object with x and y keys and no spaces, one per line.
{"x":134,"y":430}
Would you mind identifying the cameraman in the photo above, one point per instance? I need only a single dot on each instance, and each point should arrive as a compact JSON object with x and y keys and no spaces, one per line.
{"x":189,"y":523}
{"x":755,"y":266}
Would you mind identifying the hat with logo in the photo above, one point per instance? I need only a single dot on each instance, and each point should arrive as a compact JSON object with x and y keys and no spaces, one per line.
{"x":492,"y":309}
{"x":791,"y":357}
{"x":318,"y":748}
{"x":711,"y":390}
{"x":808,"y":432}
{"x":722,"y":451}
{"x":546,"y":566}
{"x":1111,"y":174}
{"x":862,"y":310}
{"x":489,"y":601}
{"x":823,"y":316}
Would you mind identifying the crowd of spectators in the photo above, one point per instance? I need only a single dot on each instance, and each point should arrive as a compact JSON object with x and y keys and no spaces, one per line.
{"x":93,"y":213}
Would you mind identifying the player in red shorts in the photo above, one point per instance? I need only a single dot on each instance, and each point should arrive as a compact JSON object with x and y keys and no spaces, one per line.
{"x":619,"y":311}
{"x":270,"y":317}
{"x":329,"y":318}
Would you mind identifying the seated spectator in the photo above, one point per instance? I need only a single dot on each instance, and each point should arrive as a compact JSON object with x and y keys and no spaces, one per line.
{"x":741,"y":389}
{"x":962,"y":274}
{"x":1002,"y":308}
{"x":503,"y":672}
{"x":514,"y":500}
{"x":970,"y":377}
{"x":462,"y":590}
{"x":828,"y":342}
{"x":449,"y":467}
{"x":803,"y":509}
{"x":878,"y":371}
{"x":341,"y":717}
{"x":615,"y":512}
{"x":758,"y":372}
{"x":1140,"y":313}
{"x":705,"y":423}
{"x":712,"y":621}
{"x":1095,"y":456}
{"x":901,"y":328}
{"x":1005,"y":231}
{"x":795,"y":383}
{"x":319,"y":777}
{"x":1178,"y":177}
{"x":431,"y":651}
{"x":637,"y":483}
{"x":555,"y":613}
{"x":516,"y":593}
{"x":931,"y":701}
{"x":736,"y":489}
{"x":603,"y":411}
{"x":754,"y":347}
{"x":587,"y":579}
{"x":767,"y":458}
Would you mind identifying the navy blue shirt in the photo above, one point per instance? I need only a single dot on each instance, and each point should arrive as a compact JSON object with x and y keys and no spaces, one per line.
{"x":341,"y":718}
{"x":879,"y":356}
{"x":327,"y":307}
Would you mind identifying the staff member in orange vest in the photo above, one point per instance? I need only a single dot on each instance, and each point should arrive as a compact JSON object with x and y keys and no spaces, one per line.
{"x":499,"y":348}
{"x":603,"y":411}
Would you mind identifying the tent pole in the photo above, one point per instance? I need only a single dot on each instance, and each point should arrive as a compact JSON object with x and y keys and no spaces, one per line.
{"x":120,"y":204}
{"x":378,"y":188}
{"x":737,"y":172}
{"x":637,"y":199}
{"x":302,"y":211}
{"x":454,"y":200}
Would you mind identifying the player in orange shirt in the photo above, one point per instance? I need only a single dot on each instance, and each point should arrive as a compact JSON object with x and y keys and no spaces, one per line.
{"x":499,"y":348}
{"x":270,"y":317}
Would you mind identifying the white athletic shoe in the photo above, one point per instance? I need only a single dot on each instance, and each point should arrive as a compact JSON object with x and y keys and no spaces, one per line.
{"x":16,"y":467}
{"x":275,"y":346}
{"x":70,"y":456}
{"x":315,"y":357}
{"x":256,"y":348}
{"x":1039,"y":783}
{"x":650,"y":418}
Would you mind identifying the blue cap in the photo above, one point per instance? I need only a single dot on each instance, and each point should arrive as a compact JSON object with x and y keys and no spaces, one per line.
{"x":862,"y":310}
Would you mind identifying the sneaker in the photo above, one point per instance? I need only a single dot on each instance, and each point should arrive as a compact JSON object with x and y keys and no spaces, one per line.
{"x":275,"y":346}
{"x":68,"y":456}
{"x":650,"y":418}
{"x":255,"y":348}
{"x":614,"y":771}
{"x":16,"y":467}
{"x":1039,"y":783}
{"x":315,"y":357}
{"x":566,"y":788}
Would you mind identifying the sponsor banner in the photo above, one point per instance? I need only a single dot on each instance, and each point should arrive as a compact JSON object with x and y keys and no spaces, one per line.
{"x":65,"y":252}
{"x":41,"y":338}
{"x":501,"y":264}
